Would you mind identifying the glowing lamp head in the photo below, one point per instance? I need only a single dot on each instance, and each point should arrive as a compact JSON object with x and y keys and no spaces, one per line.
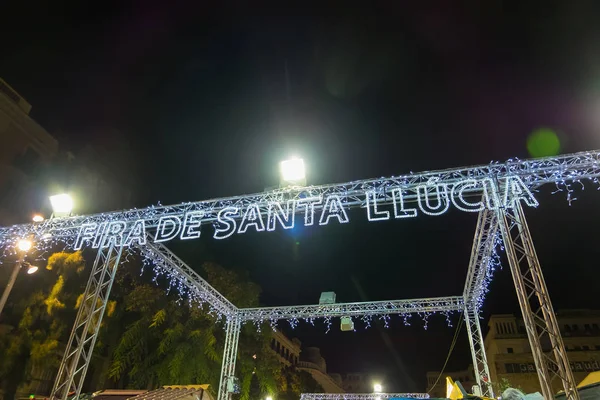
{"x":377,"y":388}
{"x":24,"y":245}
{"x":269,"y":398}
{"x":62,"y":204}
{"x":37,"y":218}
{"x":292,"y":170}
{"x":32,"y":269}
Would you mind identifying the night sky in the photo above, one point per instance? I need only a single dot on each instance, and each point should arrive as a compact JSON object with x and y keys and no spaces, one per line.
{"x":207,"y":101}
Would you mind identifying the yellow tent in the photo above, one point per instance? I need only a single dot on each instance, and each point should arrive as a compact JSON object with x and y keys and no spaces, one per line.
{"x":593,"y":377}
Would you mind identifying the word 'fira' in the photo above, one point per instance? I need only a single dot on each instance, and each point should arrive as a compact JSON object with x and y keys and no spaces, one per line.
{"x":469,"y":195}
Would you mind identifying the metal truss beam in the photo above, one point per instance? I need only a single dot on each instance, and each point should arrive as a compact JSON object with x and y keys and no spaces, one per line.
{"x":78,"y":354}
{"x":232,"y":336}
{"x":538,"y":314}
{"x":362,"y":396}
{"x":186,"y":279}
{"x":480,"y":364}
{"x":436,"y":304}
{"x":535,"y":172}
{"x":478,"y":276}
{"x":484,"y":243}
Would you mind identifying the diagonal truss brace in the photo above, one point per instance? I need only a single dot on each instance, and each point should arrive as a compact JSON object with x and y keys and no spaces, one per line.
{"x":538,"y":314}
{"x":188,"y":280}
{"x":78,"y":354}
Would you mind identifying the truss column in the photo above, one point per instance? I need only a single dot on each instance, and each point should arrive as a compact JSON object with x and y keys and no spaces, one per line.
{"x":538,"y":313}
{"x":78,"y":354}
{"x":482,"y":371}
{"x":232,"y":337}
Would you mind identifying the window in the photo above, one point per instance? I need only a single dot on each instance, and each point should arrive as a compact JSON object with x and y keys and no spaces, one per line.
{"x":510,"y":350}
{"x":586,"y":347}
{"x":597,"y":347}
{"x":575,"y":327}
{"x":567,"y":328}
{"x":577,"y":348}
{"x":587,"y":327}
{"x":509,"y":368}
{"x":595,"y":327}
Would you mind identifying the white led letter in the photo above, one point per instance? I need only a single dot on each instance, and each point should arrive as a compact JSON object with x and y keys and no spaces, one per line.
{"x":333,"y":208}
{"x":372,"y":213}
{"x":457,"y":195}
{"x":285,"y":218}
{"x":309,"y":211}
{"x":252,"y":216}
{"x":224,"y":218}
{"x":399,"y":210}
{"x":114,"y":234}
{"x":168,"y":228}
{"x":442,"y":199}
{"x":515,"y":190}
{"x":137,"y":233}
{"x":86,"y":232}
{"x":99,"y":235}
{"x":191,"y":222}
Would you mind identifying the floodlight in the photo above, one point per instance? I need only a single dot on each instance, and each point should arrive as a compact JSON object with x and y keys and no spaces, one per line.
{"x":292,"y":171}
{"x":377,"y":388}
{"x":32,"y":269}
{"x":37,"y":218}
{"x":62,"y":204}
{"x":24,"y":245}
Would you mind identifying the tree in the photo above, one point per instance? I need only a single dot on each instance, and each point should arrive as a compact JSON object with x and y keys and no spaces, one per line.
{"x":47,"y":313}
{"x":167,"y":342}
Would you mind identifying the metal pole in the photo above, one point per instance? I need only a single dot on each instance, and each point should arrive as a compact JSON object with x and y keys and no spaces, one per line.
{"x":538,"y":314}
{"x":10,"y":284}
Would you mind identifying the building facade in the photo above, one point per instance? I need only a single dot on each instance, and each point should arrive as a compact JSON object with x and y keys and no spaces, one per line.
{"x":26,"y":150}
{"x":509,"y":354}
{"x":310,"y":360}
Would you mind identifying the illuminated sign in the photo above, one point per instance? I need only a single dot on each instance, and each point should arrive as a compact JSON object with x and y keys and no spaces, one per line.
{"x":470,"y":195}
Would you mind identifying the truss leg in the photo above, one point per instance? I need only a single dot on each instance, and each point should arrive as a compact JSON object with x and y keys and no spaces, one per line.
{"x":80,"y":347}
{"x":538,"y":314}
{"x":482,"y":372}
{"x":232,"y":337}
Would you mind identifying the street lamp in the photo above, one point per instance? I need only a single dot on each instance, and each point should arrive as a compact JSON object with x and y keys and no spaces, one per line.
{"x":292,"y":172}
{"x":32,"y":269}
{"x":269,"y":398}
{"x":37,"y":218}
{"x":62,"y":205}
{"x":377,"y":388}
{"x":23,"y":246}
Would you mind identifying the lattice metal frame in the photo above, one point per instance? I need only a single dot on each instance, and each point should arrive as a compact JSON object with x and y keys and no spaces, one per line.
{"x":538,"y":313}
{"x":479,"y":271}
{"x":523,"y":261}
{"x":362,"y":396}
{"x":80,"y":348}
{"x":232,"y":337}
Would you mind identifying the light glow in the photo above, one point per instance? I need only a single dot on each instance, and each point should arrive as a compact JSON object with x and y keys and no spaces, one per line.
{"x":32,"y":269}
{"x":292,"y":170}
{"x":37,"y":218}
{"x":62,"y":204}
{"x":24,"y":245}
{"x":377,"y":388}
